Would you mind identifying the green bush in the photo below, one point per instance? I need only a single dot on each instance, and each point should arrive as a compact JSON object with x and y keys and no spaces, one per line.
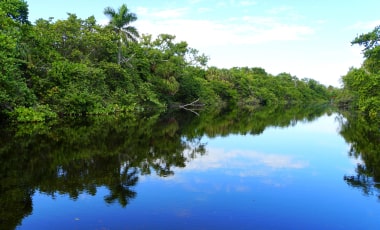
{"x":39,"y":113}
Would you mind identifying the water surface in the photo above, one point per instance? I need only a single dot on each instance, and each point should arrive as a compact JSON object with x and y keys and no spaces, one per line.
{"x":269,"y":169}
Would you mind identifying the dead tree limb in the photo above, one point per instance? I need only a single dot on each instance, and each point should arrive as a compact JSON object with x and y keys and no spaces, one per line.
{"x":190,"y":104}
{"x":126,"y":60}
{"x":190,"y":110}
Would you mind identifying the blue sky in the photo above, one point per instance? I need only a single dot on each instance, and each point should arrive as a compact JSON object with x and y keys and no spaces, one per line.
{"x":308,"y":39}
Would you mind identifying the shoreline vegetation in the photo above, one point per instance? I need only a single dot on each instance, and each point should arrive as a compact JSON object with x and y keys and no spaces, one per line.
{"x":76,"y":67}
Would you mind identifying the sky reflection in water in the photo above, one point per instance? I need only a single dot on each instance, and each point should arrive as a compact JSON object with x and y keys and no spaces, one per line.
{"x":285,"y":178}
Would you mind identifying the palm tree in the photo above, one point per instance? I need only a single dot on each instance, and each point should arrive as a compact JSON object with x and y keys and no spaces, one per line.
{"x":120,"y":21}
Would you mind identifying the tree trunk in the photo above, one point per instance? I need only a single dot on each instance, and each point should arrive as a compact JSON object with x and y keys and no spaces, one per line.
{"x":119,"y":54}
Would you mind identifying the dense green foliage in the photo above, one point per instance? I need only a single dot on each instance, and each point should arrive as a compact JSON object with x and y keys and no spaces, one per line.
{"x":361,"y":86}
{"x":76,"y":67}
{"x":14,"y":25}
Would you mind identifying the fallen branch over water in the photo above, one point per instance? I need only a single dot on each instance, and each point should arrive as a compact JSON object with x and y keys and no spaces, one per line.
{"x":193,"y":104}
{"x":190,"y":110}
{"x":190,"y":104}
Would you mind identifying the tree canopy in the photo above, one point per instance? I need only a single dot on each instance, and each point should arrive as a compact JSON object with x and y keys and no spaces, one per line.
{"x":361,"y":86}
{"x":75,"y":66}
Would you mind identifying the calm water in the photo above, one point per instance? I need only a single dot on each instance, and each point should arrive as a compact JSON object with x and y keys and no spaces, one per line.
{"x":268,"y":169}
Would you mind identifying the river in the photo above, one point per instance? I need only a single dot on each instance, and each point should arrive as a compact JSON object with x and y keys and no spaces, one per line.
{"x":295,"y":168}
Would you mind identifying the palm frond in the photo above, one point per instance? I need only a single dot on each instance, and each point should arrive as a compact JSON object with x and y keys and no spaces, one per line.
{"x":120,"y":21}
{"x":109,"y":12}
{"x":132,"y":33}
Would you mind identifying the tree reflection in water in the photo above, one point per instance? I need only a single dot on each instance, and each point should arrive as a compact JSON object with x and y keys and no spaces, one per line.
{"x":120,"y":190}
{"x":83,"y":154}
{"x":363,"y":135}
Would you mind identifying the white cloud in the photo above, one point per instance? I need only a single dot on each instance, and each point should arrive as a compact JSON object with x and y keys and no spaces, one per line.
{"x":365,"y":26}
{"x":252,"y":35}
{"x":287,"y":13}
{"x":141,"y":11}
{"x":238,"y":163}
{"x":194,"y":1}
{"x":236,"y":31}
{"x":279,"y":10}
{"x":233,"y":3}
{"x":221,"y":4}
{"x":321,"y":22}
{"x":171,"y":13}
{"x":204,"y":10}
{"x":247,"y":3}
{"x":157,"y":15}
{"x":104,"y":22}
{"x":244,"y":163}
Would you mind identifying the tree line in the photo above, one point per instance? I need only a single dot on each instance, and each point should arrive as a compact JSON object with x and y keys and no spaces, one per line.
{"x":52,"y":68}
{"x":361,"y":86}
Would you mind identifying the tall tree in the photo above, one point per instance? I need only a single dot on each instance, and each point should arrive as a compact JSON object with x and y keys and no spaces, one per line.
{"x":13,"y":26}
{"x":120,"y":21}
